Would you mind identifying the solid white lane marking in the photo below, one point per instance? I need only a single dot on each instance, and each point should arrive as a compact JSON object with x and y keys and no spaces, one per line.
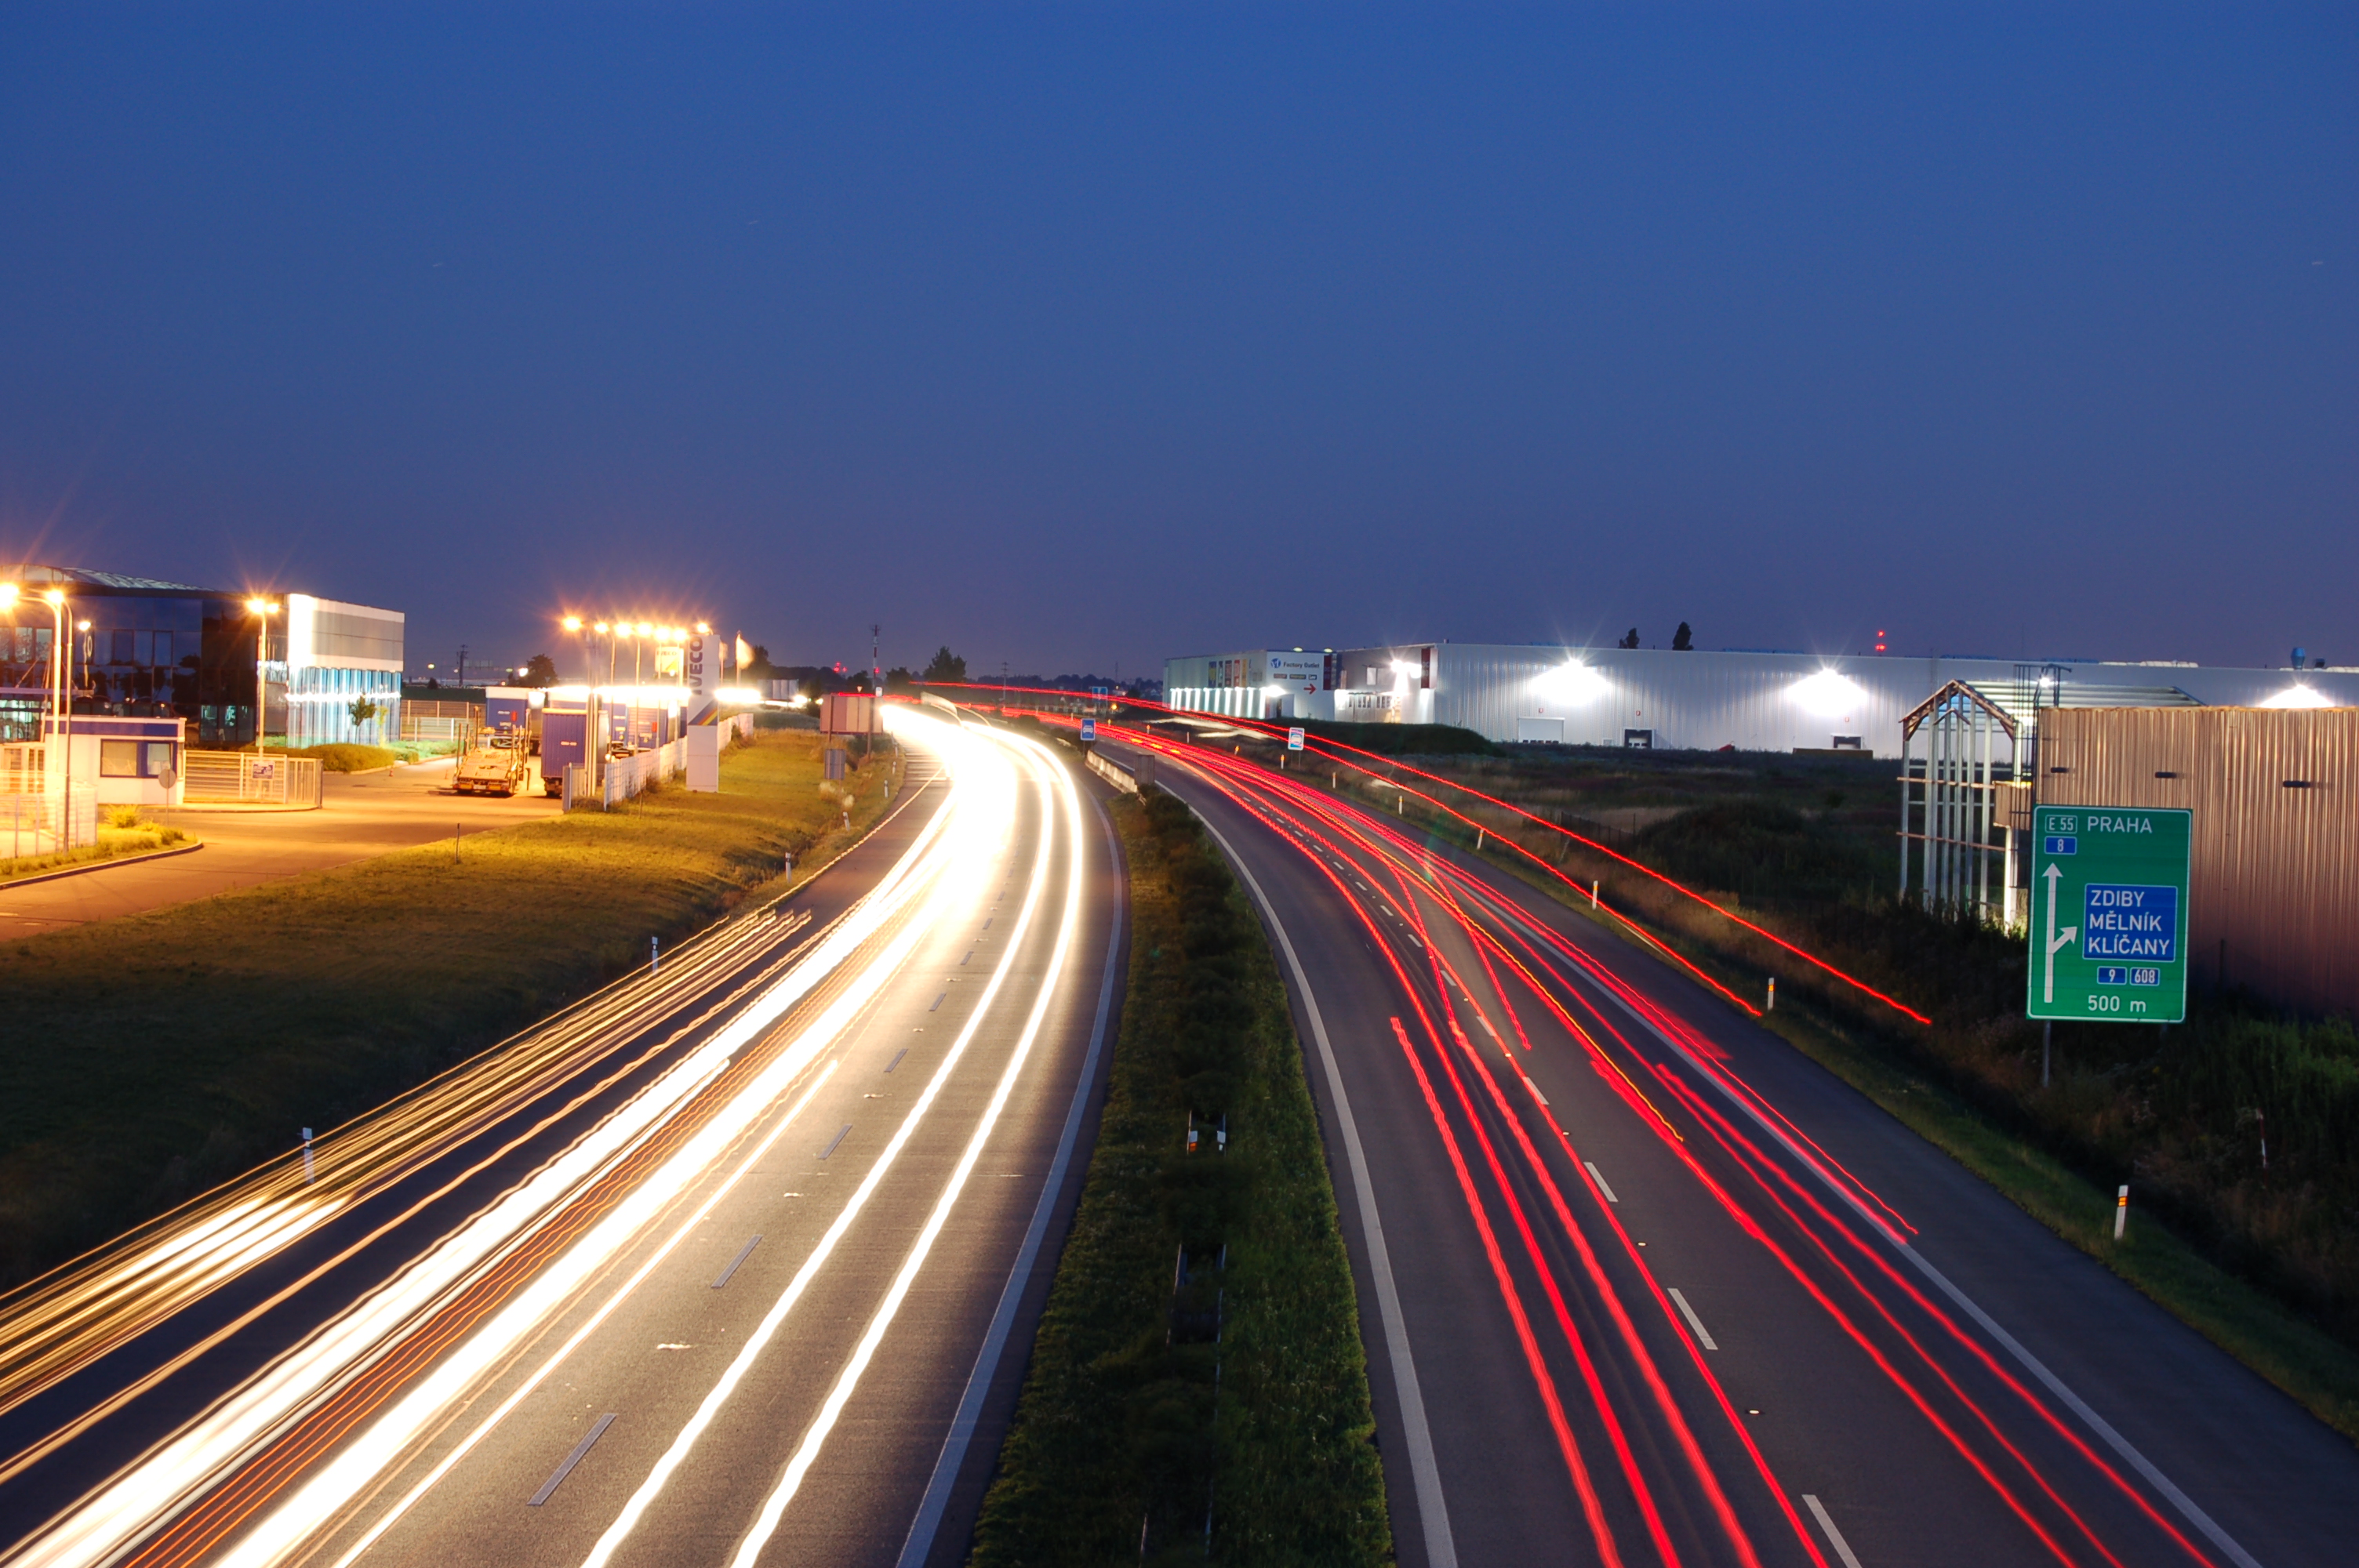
{"x":920,"y":1542}
{"x":1834,"y":1536}
{"x":565,"y":1468}
{"x":2080,"y":1407}
{"x":1441,"y":1550}
{"x":738,"y":1261}
{"x":1595,"y":1176}
{"x":1693,"y":1322}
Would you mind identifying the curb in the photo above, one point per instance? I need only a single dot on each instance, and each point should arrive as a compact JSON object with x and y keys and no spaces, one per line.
{"x":106,"y":865}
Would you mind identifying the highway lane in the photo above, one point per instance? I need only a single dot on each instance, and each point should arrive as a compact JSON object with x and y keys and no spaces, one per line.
{"x":766,"y":1223}
{"x":1558,"y":1132}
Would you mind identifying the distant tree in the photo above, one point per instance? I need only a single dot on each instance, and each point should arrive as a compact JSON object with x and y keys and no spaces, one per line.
{"x":947,"y":666}
{"x":1683,"y":639}
{"x":899,"y":679}
{"x":759,"y":667}
{"x":540,"y":670}
{"x":1630,"y":639}
{"x":364,"y":711}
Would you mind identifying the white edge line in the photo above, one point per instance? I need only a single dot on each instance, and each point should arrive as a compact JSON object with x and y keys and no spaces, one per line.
{"x":1599,"y":1177}
{"x":1440,"y":1551}
{"x":1834,"y":1536}
{"x":2015,"y":1348}
{"x":920,"y":1542}
{"x":1693,"y":1322}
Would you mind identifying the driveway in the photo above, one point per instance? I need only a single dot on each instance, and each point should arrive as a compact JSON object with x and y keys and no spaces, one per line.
{"x":365,"y":814}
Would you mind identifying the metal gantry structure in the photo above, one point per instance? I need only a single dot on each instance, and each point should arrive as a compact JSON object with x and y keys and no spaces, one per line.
{"x":1958,"y":816}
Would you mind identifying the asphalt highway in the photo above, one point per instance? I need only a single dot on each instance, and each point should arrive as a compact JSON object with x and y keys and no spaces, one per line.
{"x":1641,"y":1284}
{"x":736,"y":1261}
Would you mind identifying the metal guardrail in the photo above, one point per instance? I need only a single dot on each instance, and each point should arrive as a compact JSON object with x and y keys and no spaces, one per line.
{"x":241,"y":778}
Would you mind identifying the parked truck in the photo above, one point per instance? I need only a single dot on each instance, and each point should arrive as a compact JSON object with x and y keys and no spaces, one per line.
{"x":498,"y":762}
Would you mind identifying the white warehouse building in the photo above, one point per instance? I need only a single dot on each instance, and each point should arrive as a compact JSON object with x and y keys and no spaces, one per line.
{"x":1656,"y":697}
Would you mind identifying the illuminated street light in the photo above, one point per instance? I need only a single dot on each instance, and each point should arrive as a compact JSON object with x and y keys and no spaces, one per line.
{"x":263,"y":609}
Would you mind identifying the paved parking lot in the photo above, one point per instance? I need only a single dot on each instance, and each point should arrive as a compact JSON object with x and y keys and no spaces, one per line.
{"x":366,"y":814}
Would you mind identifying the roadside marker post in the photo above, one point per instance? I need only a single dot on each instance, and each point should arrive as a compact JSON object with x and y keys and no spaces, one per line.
{"x":2121,"y":1210}
{"x":1773,"y":995}
{"x":307,"y":1157}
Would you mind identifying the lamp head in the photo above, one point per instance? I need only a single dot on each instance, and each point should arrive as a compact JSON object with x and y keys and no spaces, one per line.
{"x":574,"y":623}
{"x":8,"y":593}
{"x":55,"y":596}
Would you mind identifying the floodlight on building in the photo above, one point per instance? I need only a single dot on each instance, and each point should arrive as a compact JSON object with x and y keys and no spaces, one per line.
{"x":1829,"y":694}
{"x":1573,"y":682}
{"x":2298,"y":696}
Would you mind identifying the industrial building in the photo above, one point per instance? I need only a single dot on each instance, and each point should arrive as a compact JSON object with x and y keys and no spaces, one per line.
{"x":141,"y":648}
{"x":1699,"y":700}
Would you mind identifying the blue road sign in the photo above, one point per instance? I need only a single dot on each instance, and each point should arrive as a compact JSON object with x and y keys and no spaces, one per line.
{"x":1089,"y":729}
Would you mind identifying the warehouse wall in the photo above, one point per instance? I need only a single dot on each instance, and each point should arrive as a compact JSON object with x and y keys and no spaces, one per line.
{"x":2275,"y":803}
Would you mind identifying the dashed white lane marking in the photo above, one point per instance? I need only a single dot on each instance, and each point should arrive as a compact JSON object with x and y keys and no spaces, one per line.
{"x":735,"y":1263}
{"x":1600,"y":1180}
{"x":1693,"y":1322}
{"x":1535,"y":1091}
{"x":836,"y":1140}
{"x":1834,"y":1536}
{"x":570,"y":1460}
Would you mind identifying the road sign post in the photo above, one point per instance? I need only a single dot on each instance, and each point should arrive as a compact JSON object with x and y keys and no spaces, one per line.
{"x":1089,"y":729}
{"x":1294,"y":739}
{"x":2109,"y":914}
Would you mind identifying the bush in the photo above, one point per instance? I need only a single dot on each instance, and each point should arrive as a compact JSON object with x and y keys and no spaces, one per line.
{"x":348,"y":759}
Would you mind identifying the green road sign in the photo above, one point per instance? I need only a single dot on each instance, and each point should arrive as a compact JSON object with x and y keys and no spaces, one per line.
{"x":2109,"y":914}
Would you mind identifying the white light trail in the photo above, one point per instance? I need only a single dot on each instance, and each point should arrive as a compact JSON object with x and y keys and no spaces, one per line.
{"x":633,"y":1510}
{"x":959,"y":840}
{"x":765,"y":1523}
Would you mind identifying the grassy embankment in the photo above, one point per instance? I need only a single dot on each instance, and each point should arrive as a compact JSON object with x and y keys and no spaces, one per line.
{"x":149,"y":1058}
{"x":122,"y":831}
{"x":1132,"y":1415}
{"x":2264,"y":1262}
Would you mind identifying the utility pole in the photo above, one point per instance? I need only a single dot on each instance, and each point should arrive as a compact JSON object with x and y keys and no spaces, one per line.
{"x":875,"y":665}
{"x":462,"y":664}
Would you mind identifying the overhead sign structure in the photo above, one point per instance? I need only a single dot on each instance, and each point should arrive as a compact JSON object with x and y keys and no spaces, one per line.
{"x":1089,"y":729}
{"x":1294,"y":738}
{"x":2109,"y":914}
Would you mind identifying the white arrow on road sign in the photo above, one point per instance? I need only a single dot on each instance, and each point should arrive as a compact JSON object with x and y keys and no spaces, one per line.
{"x":2057,"y":940}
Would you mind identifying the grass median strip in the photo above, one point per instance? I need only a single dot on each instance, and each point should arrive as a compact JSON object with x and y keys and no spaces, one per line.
{"x":1198,"y":1388}
{"x":151,"y":1056}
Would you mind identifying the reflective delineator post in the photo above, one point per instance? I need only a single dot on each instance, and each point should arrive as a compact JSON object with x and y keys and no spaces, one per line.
{"x":1773,"y":995}
{"x":2121,"y":1210}
{"x":654,"y":955}
{"x":1592,"y":892}
{"x":307,"y":1157}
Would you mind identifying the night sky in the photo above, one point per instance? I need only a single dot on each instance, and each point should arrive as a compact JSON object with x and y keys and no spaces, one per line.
{"x":1078,"y":336}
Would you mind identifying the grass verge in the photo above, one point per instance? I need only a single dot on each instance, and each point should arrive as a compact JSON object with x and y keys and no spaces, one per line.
{"x":149,"y":1057}
{"x":1198,"y":1389}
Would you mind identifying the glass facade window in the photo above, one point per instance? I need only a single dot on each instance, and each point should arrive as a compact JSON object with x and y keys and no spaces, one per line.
{"x":118,"y":758}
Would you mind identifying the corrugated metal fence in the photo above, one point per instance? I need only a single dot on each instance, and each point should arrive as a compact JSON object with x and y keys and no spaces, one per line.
{"x":2275,"y":795}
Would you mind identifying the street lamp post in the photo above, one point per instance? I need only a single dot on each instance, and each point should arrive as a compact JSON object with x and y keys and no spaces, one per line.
{"x":60,"y":751}
{"x":263,"y":611}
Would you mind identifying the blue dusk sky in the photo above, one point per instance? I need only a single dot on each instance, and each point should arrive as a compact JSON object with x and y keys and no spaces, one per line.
{"x":1077,"y":336}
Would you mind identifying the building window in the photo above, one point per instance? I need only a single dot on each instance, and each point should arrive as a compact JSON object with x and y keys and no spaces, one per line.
{"x":159,"y":759}
{"x":118,"y":758}
{"x":120,"y":647}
